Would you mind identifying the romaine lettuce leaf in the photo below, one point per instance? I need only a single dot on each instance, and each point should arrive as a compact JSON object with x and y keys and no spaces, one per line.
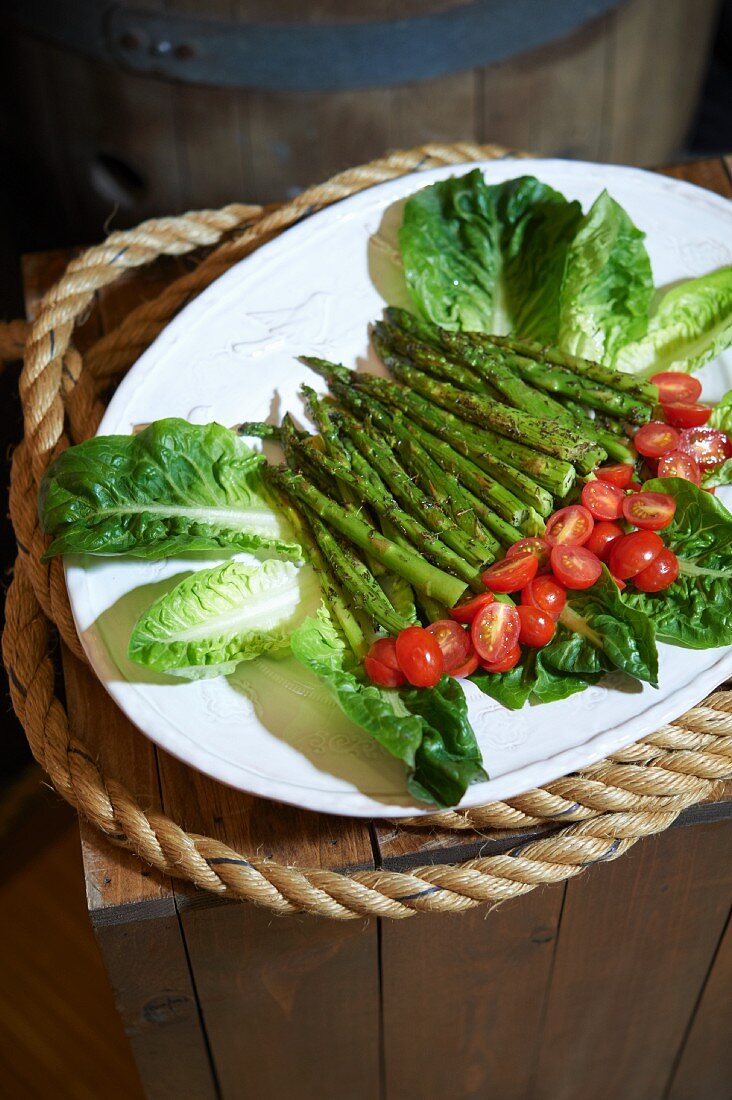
{"x":217,"y":617}
{"x":691,"y":325}
{"x":533,"y":679}
{"x":722,"y":415}
{"x":174,"y":488}
{"x":695,"y":611}
{"x":426,"y":728}
{"x":607,"y":285}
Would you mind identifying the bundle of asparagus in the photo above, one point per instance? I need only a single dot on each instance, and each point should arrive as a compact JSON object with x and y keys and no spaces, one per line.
{"x":414,"y":484}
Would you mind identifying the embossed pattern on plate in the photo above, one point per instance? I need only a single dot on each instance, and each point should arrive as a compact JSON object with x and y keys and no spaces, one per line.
{"x":229,"y":356}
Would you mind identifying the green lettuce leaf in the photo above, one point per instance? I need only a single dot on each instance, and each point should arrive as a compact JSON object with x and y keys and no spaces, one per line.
{"x":532,"y":680}
{"x":691,"y":325}
{"x":426,"y":728}
{"x":217,"y":617}
{"x":174,"y":488}
{"x":722,"y":415}
{"x":717,"y":475}
{"x":695,"y":610}
{"x":607,"y":285}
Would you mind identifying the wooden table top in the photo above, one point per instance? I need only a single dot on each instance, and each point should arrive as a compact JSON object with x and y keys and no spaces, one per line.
{"x":115,"y":879}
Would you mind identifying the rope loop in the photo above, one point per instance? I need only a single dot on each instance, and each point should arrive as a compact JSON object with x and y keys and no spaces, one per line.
{"x":596,"y":815}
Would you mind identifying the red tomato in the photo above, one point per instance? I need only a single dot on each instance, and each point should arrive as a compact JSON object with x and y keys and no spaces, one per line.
{"x":511,"y":659}
{"x":678,"y":464}
{"x":570,"y":526}
{"x":649,"y":511}
{"x":546,"y":594}
{"x":687,"y":416}
{"x":495,"y":631}
{"x":655,"y":439}
{"x":603,"y":501}
{"x":635,"y":487}
{"x":453,"y":640}
{"x":466,"y":669}
{"x":674,"y":386}
{"x":620,"y":474}
{"x":537,"y":628}
{"x":708,"y":446}
{"x":381,"y":664}
{"x":633,"y":552}
{"x":662,"y":572}
{"x":602,"y":538}
{"x":466,"y":611}
{"x":536,"y":546}
{"x":420,"y":657}
{"x":575,"y":566}
{"x":512,"y":573}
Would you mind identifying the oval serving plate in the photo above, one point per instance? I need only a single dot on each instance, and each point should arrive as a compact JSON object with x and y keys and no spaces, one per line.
{"x":229,"y":356}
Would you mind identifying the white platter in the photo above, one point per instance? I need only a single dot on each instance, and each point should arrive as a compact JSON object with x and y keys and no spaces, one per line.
{"x":230,"y":356}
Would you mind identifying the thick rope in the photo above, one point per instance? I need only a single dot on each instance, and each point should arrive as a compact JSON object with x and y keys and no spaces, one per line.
{"x":598,"y":813}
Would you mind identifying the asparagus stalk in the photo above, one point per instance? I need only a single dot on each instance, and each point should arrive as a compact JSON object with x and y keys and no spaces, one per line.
{"x":407,"y":563}
{"x":611,"y":438}
{"x":392,"y":339}
{"x":257,"y":429}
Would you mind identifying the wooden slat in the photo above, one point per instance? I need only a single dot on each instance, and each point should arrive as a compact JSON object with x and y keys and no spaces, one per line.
{"x":435,"y":110}
{"x":635,"y":944}
{"x":711,"y":174}
{"x":463,"y":999}
{"x":704,"y":1070}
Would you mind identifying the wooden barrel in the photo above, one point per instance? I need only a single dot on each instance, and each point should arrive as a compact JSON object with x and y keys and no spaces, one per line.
{"x":155,"y":111}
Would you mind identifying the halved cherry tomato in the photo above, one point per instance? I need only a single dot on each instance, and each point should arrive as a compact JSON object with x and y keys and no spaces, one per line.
{"x":603,"y":501}
{"x":662,"y":572}
{"x":495,"y":631}
{"x":536,"y":546}
{"x":512,"y":573}
{"x":575,"y":566}
{"x":511,"y":659}
{"x":420,"y":657}
{"x":466,"y":669}
{"x":619,"y":473}
{"x":466,"y":611}
{"x":635,"y":487}
{"x":708,"y":446}
{"x":571,"y":526}
{"x":687,"y":416}
{"x":453,"y":640}
{"x":649,"y":511}
{"x":655,"y":439}
{"x":678,"y":464}
{"x":602,"y":538}
{"x":674,"y":386}
{"x":632,"y":553}
{"x":537,"y":628}
{"x":381,"y":665}
{"x":546,"y":594}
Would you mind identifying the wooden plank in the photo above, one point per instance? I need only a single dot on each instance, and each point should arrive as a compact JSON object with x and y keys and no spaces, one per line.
{"x":711,"y":174}
{"x":705,"y":1061}
{"x":445,"y":109}
{"x":269,"y":989}
{"x":641,"y":932}
{"x":463,"y":999}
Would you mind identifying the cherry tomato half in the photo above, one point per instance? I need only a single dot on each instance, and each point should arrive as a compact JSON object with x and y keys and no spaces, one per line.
{"x":675,"y":386}
{"x":662,"y":572}
{"x":649,"y":511}
{"x":466,"y":611}
{"x":678,"y":464}
{"x":575,"y":566}
{"x":537,"y":628}
{"x":466,"y":669}
{"x":512,"y":573}
{"x":495,"y":631}
{"x":420,"y":657}
{"x":381,"y":664}
{"x":602,"y":538}
{"x":633,"y":552}
{"x":687,"y":416}
{"x":537,"y":546}
{"x":602,"y":501}
{"x":571,"y":526}
{"x":708,"y":446}
{"x":453,"y":640}
{"x":511,"y":659}
{"x":546,"y":594}
{"x":619,"y":473}
{"x":655,"y":439}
